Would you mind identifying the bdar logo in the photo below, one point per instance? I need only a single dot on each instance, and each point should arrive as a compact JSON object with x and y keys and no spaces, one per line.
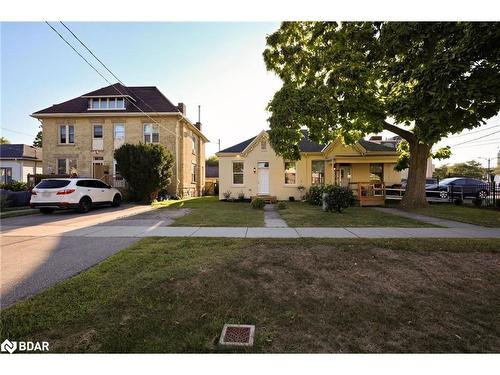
{"x":9,"y":346}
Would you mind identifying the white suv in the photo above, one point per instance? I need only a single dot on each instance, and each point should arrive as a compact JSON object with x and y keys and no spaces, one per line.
{"x":78,"y":193}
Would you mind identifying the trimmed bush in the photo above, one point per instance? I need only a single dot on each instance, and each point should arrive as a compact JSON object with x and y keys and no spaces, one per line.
{"x":258,"y":203}
{"x":291,"y":199}
{"x":282,"y":206}
{"x":147,"y":168}
{"x":14,"y":186}
{"x":338,"y":198}
{"x":458,"y":202}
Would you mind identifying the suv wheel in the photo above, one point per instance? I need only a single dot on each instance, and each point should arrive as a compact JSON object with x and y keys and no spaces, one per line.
{"x":84,"y":205}
{"x":482,"y":194}
{"x":46,"y":211}
{"x":117,"y":200}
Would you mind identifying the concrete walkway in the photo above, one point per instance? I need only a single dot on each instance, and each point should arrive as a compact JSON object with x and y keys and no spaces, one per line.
{"x":272,"y":218}
{"x":112,"y":231}
{"x":428,"y":219}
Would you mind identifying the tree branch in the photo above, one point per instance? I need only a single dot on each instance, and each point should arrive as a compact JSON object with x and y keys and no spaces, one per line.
{"x":409,"y":136}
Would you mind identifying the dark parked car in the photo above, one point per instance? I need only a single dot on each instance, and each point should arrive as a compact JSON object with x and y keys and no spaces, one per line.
{"x":470,"y":187}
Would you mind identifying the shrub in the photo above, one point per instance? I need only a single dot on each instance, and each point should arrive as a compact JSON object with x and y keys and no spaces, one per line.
{"x":478,"y":202}
{"x":338,"y":198}
{"x":291,"y":199}
{"x":14,"y":186}
{"x":458,"y":201}
{"x":147,"y":168}
{"x":282,"y":206}
{"x":258,"y":203}
{"x":241,"y":196}
{"x":314,"y":196}
{"x":3,"y":202}
{"x":227,"y":194}
{"x":497,"y":203}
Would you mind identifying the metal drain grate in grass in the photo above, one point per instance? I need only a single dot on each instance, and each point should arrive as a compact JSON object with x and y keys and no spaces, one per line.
{"x":237,"y":334}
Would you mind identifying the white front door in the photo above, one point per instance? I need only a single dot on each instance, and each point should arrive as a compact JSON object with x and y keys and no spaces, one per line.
{"x":263,"y":176}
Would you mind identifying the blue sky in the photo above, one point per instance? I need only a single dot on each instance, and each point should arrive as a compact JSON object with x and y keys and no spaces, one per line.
{"x":216,"y":65}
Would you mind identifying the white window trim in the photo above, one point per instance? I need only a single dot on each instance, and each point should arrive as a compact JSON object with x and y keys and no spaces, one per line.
{"x":242,"y":173}
{"x":144,"y":134}
{"x":107,"y":106}
{"x":193,"y":139}
{"x":194,"y":181}
{"x":114,"y":130}
{"x":66,"y":127}
{"x":296,"y":173}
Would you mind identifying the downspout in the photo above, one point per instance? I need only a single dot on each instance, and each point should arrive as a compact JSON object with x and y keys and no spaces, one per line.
{"x":177,"y":158}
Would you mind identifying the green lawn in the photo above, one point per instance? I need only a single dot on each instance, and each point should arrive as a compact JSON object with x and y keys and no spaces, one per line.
{"x":303,"y":295}
{"x":301,"y":214}
{"x":210,"y":212}
{"x":467,"y":214}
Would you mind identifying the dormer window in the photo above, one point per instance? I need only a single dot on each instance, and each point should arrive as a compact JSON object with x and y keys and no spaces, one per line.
{"x":106,"y":103}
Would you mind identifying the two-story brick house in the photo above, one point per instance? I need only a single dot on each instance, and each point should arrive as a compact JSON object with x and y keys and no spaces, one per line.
{"x":80,"y":135}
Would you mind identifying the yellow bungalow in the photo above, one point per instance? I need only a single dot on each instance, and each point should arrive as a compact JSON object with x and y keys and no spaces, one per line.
{"x":253,"y":168}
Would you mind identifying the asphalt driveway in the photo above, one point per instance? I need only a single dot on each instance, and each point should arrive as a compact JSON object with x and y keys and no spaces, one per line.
{"x":37,"y":251}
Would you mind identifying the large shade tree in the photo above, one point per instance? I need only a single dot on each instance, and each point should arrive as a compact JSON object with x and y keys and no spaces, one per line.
{"x":421,"y":81}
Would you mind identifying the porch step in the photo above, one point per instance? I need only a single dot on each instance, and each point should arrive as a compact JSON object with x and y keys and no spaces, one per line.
{"x":266,"y":198}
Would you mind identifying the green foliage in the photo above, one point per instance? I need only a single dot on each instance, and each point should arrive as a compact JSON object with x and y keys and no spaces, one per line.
{"x":14,"y":186}
{"x":338,"y":198}
{"x":441,"y":172}
{"x":241,"y":196}
{"x":282,"y":205}
{"x":258,"y":203}
{"x":346,"y":80}
{"x":147,"y":168}
{"x":38,"y":139}
{"x":4,"y":141}
{"x":3,"y":202}
{"x":315,"y":194}
{"x":212,"y":161}
{"x":472,"y":169}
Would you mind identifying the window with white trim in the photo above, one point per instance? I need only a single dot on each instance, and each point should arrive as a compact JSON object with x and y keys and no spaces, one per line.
{"x":106,"y":103}
{"x":193,"y":138}
{"x":290,"y":173}
{"x":6,"y":175}
{"x":119,"y":131}
{"x":66,"y":134}
{"x":238,"y":173}
{"x":151,"y":133}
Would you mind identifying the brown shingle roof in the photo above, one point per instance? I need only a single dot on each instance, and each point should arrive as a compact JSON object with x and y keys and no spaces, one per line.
{"x":152,"y":101}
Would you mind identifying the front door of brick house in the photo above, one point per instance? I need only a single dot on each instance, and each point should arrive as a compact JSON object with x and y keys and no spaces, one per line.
{"x":98,"y":170}
{"x":263,"y":178}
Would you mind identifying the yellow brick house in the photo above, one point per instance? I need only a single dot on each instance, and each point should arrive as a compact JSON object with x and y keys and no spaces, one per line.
{"x":253,"y":168}
{"x":80,"y":135}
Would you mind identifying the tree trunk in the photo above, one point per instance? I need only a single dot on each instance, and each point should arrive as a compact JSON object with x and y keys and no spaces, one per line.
{"x":415,"y":186}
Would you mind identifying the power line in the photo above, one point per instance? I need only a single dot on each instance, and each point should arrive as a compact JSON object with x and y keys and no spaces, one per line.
{"x":471,"y":140}
{"x":473,"y":132}
{"x":17,"y":131}
{"x":112,"y":85}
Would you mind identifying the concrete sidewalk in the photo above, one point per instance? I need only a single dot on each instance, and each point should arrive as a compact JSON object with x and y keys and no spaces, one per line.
{"x":104,"y":231}
{"x":427,"y":219}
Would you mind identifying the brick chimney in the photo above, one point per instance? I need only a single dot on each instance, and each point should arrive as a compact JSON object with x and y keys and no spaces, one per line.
{"x":198,"y":125}
{"x":182,"y":108}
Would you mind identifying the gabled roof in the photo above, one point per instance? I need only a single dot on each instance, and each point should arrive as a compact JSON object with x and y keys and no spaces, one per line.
{"x":20,"y":151}
{"x":147,"y":98}
{"x":306,"y":145}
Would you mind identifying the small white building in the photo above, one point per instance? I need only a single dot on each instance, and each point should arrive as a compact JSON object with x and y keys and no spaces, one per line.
{"x":19,"y":160}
